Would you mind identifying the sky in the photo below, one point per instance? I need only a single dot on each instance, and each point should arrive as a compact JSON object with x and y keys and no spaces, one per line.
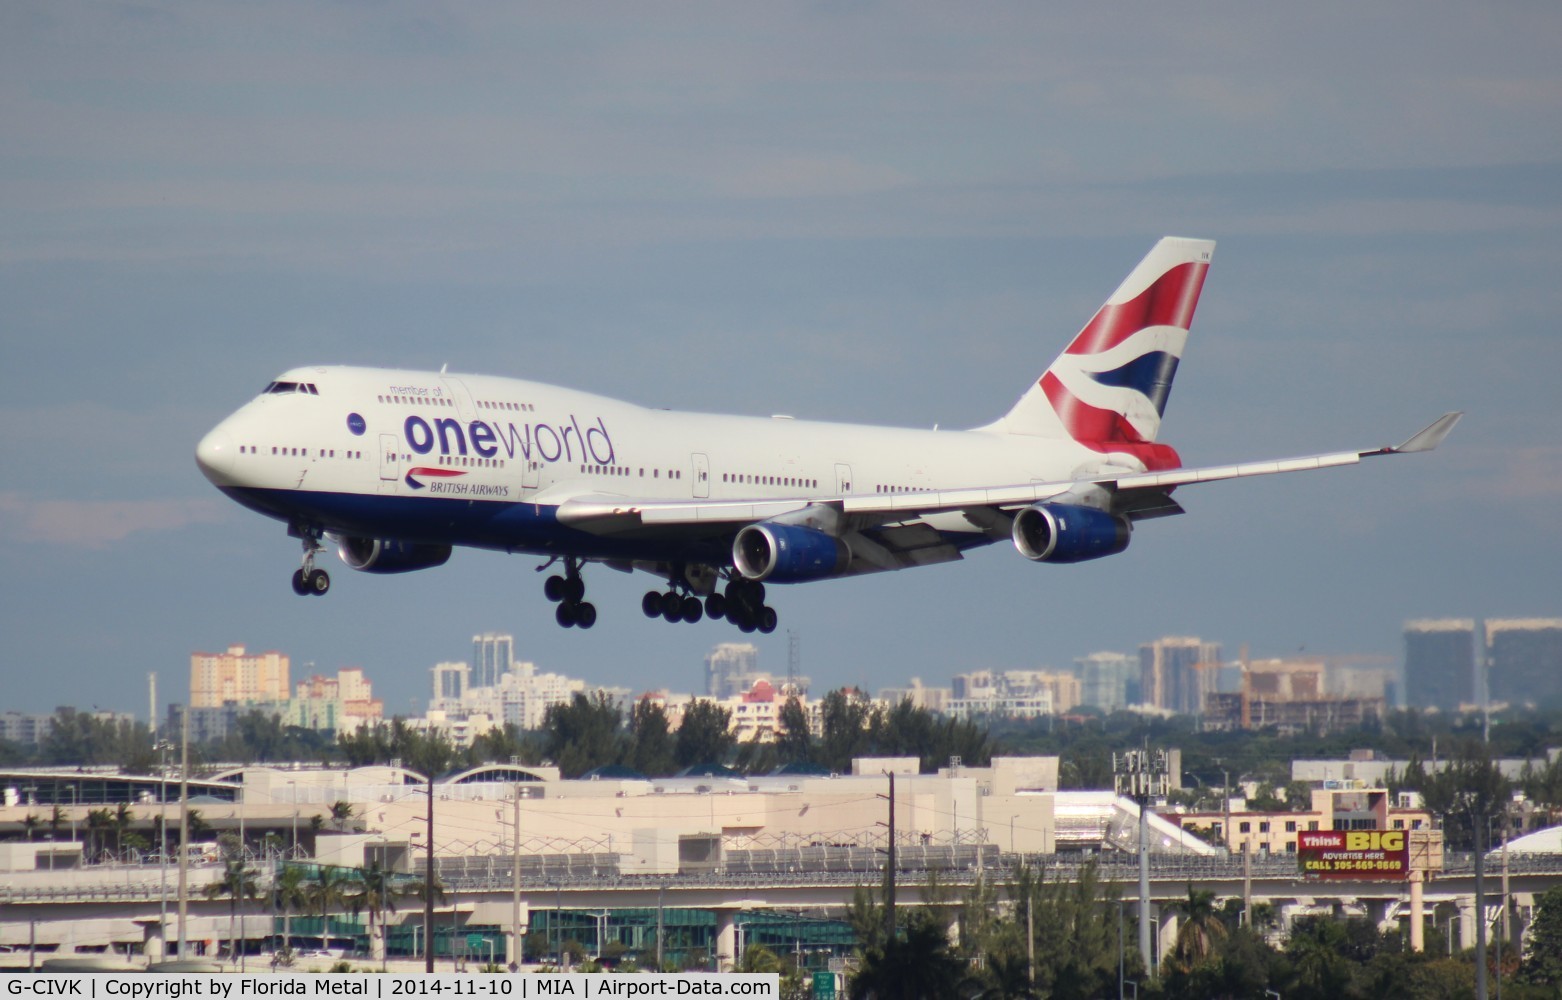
{"x":886,"y":213}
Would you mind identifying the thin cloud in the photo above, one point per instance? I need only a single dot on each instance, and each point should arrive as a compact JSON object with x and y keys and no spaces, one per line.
{"x":97,"y":524}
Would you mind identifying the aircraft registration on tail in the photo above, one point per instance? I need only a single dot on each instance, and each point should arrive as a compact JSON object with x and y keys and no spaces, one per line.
{"x":396,"y":468}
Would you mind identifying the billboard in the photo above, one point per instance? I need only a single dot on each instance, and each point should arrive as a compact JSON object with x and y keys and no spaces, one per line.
{"x":1354,"y":854}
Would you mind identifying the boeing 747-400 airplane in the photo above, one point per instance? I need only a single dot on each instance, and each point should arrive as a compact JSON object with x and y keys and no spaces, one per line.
{"x":398,"y":467}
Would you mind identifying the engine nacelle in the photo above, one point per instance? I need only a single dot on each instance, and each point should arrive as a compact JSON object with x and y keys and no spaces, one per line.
{"x":390,"y":555}
{"x":1061,"y":533}
{"x":786,"y":553}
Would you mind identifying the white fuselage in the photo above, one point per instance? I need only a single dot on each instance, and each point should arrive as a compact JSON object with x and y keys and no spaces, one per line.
{"x":385,"y":437}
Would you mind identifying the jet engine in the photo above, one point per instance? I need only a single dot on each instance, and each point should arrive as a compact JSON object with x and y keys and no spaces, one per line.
{"x":390,"y":555}
{"x":787,"y":553}
{"x":1061,"y":533}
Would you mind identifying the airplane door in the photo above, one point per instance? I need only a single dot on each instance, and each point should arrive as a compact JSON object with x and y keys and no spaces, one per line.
{"x":701,"y":469}
{"x":843,"y":479}
{"x":389,"y":466}
{"x":529,"y":473}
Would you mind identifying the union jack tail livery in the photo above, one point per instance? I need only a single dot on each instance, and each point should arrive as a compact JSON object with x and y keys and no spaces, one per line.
{"x":1108,"y":389}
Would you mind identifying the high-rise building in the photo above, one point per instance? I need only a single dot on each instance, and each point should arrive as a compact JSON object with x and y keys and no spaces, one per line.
{"x":1440,"y":663}
{"x":1175,"y":673}
{"x":731,"y":670}
{"x":450,"y":684}
{"x":1524,"y":659}
{"x":237,"y":677}
{"x":931,"y":699}
{"x":1019,"y":694}
{"x":492,"y":657}
{"x":341,"y":703}
{"x":1109,"y":681}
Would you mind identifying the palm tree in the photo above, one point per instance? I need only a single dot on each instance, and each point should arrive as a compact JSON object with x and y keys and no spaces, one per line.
{"x":288,"y":893}
{"x":56,"y":820}
{"x":915,"y":964}
{"x":31,"y":823}
{"x":377,"y":895}
{"x":341,"y":812}
{"x":99,"y":822}
{"x":238,"y":882}
{"x":329,"y":892}
{"x":122,"y":820}
{"x":1201,"y":931}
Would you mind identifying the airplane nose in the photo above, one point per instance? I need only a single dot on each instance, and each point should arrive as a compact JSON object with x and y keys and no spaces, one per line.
{"x":215,"y":455}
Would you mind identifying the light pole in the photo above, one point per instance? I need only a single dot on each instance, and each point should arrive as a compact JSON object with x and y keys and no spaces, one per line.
{"x":1142,"y":774}
{"x":515,"y":902}
{"x":162,"y":747}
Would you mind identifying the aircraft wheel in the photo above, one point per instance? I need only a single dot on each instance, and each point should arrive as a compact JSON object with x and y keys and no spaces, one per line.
{"x":672,"y":606}
{"x":693,"y":610}
{"x":585,"y":614}
{"x":746,"y":625}
{"x":565,"y":615}
{"x":651,"y":604}
{"x":318,"y":582}
{"x":574,"y":589}
{"x":767,"y":620}
{"x":300,"y":583}
{"x":553,"y":589}
{"x":716,"y":606}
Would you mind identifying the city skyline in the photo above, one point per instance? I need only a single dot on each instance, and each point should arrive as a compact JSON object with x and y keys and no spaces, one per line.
{"x":828,"y":213}
{"x":697,"y":679}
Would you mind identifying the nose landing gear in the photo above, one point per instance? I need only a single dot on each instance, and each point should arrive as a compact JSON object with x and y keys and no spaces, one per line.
{"x":307,"y":580}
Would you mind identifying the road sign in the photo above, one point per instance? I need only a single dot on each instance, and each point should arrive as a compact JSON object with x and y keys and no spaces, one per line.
{"x":824,"y":986}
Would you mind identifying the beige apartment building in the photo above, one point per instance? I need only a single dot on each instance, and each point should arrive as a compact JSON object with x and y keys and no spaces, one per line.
{"x":236,"y":676}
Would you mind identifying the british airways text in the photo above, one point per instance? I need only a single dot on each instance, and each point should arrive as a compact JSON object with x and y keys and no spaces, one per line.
{"x":549,"y":442}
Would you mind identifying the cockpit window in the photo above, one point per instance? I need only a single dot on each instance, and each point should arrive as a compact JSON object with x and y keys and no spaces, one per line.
{"x":277,"y":388}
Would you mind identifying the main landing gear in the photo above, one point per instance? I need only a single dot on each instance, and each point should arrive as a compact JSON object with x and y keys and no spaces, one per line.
{"x":742,"y":603}
{"x":307,"y":580}
{"x":568,"y":592}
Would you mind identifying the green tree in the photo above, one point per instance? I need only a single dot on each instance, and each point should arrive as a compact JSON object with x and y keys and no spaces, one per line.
{"x":238,"y":882}
{"x":917,"y":963}
{"x":100,"y":822}
{"x":375,"y":893}
{"x":121,"y":821}
{"x":1200,"y":932}
{"x":1075,"y":921}
{"x":328,"y":893}
{"x":651,"y":747}
{"x":704,"y":736}
{"x":844,"y":718}
{"x":289,"y":892}
{"x":503,"y":745}
{"x":794,"y":742}
{"x":582,"y":734}
{"x":1316,"y":949}
{"x":341,"y":814}
{"x":1543,"y":947}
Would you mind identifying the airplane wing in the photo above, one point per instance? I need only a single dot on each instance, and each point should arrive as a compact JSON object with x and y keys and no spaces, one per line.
{"x":1137,"y":496}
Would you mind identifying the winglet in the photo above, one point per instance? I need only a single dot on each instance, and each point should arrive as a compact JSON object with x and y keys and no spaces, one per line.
{"x":1425,"y":439}
{"x":1430,"y":436}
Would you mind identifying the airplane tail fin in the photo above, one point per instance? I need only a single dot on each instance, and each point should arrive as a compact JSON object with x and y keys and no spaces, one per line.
{"x":1109,"y":387}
